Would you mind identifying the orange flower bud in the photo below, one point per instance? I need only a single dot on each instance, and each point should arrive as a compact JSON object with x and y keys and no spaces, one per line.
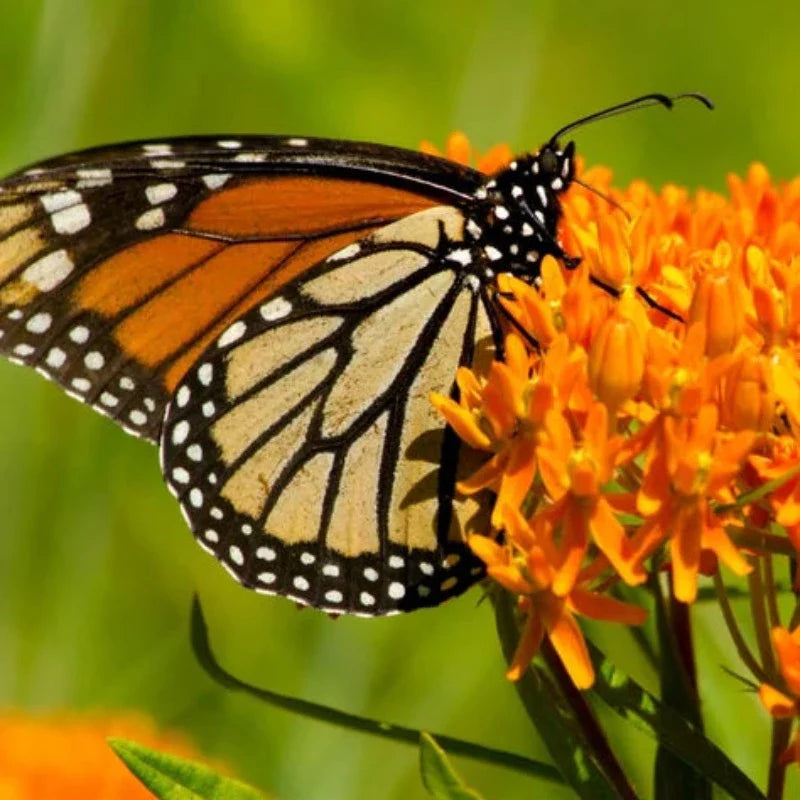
{"x":616,"y":361}
{"x":717,"y":302}
{"x":749,"y":402}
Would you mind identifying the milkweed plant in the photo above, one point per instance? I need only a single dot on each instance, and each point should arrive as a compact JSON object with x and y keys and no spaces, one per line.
{"x":640,"y":437}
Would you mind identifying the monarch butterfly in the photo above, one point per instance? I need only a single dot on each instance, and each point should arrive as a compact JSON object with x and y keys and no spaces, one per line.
{"x":274,"y":312}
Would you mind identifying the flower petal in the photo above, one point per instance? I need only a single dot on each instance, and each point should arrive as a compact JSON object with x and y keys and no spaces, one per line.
{"x":602,"y":607}
{"x":528,"y":647}
{"x":567,"y":639}
{"x":777,"y":703}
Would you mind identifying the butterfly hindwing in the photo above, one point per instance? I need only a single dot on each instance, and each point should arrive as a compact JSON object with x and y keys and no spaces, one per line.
{"x":302,"y":445}
{"x":120,"y":265}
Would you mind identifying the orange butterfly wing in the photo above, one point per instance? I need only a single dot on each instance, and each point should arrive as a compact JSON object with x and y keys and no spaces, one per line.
{"x":119,"y":266}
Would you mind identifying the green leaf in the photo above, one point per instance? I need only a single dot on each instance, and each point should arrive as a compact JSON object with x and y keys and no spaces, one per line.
{"x":552,"y":718}
{"x":674,"y":778}
{"x":172,"y":778}
{"x":624,"y":696}
{"x":353,"y":722}
{"x":438,"y":775}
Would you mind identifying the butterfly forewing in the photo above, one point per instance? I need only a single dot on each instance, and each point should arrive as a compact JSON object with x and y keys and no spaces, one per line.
{"x":302,"y":445}
{"x":119,"y":266}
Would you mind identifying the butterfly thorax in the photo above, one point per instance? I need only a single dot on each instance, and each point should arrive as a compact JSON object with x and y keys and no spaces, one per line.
{"x":516,"y":212}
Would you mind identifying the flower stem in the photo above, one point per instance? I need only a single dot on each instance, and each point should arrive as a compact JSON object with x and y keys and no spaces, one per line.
{"x":585,"y":717}
{"x":758,"y":610}
{"x":681,"y":624}
{"x":781,"y":730}
{"x":562,"y":733}
{"x":748,"y":659}
{"x":772,"y":594}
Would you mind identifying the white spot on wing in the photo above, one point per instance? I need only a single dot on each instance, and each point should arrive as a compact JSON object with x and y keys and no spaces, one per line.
{"x":205,"y":374}
{"x":157,"y":149}
{"x":137,"y":417}
{"x":150,"y":220}
{"x":182,"y":396}
{"x":94,"y":360}
{"x":49,"y":271}
{"x":79,"y":334}
{"x":180,"y":432}
{"x":160,"y":193}
{"x":275,"y":309}
{"x":216,"y":180}
{"x":91,"y":178}
{"x":71,"y":220}
{"x":249,"y":158}
{"x":180,"y":475}
{"x":39,"y":323}
{"x":232,"y":334}
{"x":397,"y":591}
{"x":57,"y":201}
{"x":161,"y":163}
{"x":56,"y":358}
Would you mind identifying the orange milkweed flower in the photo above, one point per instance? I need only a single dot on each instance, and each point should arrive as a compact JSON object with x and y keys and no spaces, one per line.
{"x":785,"y":703}
{"x":503,"y":413}
{"x":66,"y":756}
{"x":523,"y":565}
{"x":692,"y":465}
{"x":573,"y":472}
{"x":718,"y":303}
{"x":783,"y":460}
{"x":682,"y":322}
{"x":616,"y":361}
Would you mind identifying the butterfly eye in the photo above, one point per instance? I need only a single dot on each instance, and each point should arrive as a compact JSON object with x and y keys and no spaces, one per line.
{"x":548,"y":161}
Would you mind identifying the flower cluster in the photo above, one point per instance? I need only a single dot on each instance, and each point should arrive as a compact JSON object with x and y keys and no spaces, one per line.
{"x":60,"y":757}
{"x":656,"y":424}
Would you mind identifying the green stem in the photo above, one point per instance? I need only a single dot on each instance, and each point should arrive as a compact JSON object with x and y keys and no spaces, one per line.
{"x":354,"y":722}
{"x":554,"y":719}
{"x":781,"y":730}
{"x":758,"y":609}
{"x":681,"y":625}
{"x":756,"y":539}
{"x":588,"y":722}
{"x":772,"y":594}
{"x":745,"y":654}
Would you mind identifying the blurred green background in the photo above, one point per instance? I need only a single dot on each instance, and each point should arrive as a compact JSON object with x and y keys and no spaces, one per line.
{"x":97,"y":568}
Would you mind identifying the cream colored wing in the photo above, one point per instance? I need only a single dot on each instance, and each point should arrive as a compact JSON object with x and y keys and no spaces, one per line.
{"x":303,"y":447}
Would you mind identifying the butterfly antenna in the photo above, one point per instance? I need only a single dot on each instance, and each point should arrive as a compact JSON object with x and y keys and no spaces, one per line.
{"x":610,"y":200}
{"x":645,"y":101}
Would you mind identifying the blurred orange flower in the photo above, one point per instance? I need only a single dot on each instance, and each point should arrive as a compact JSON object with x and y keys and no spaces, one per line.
{"x":66,"y":756}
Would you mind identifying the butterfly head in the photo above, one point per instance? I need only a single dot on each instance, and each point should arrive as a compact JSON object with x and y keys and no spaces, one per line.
{"x":519,"y":208}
